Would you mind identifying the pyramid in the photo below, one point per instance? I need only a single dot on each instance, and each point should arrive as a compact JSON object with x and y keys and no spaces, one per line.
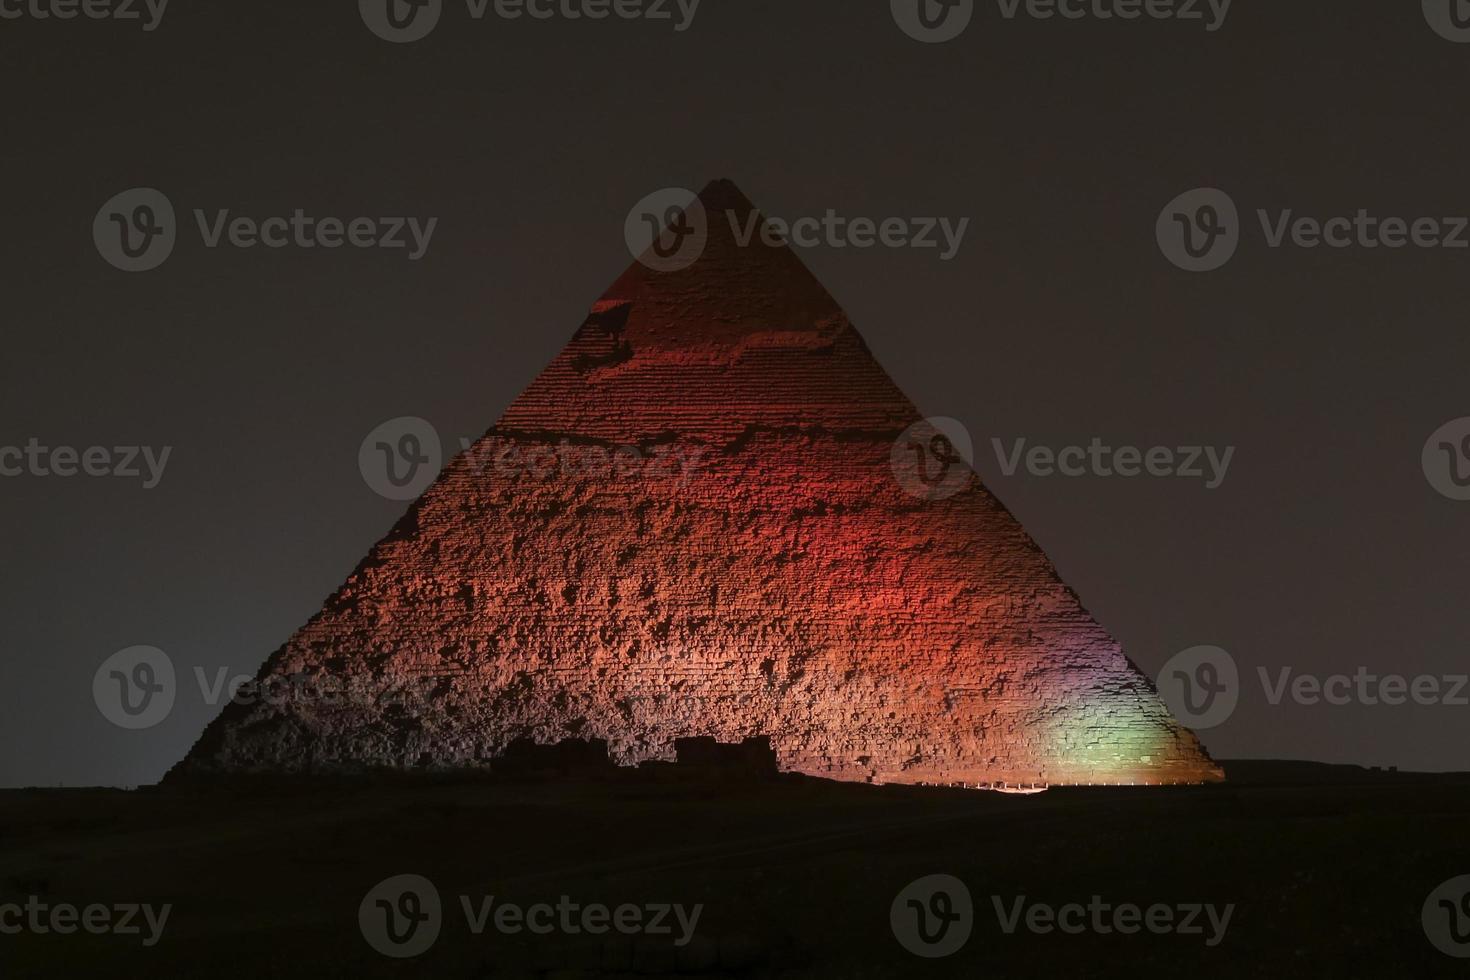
{"x":739,"y":558}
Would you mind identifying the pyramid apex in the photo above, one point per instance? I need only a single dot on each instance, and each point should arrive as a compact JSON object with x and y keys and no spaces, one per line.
{"x":723,"y":194}
{"x":733,"y":283}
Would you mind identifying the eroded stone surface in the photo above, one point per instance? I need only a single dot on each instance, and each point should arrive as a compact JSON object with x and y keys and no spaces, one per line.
{"x":760,"y":572}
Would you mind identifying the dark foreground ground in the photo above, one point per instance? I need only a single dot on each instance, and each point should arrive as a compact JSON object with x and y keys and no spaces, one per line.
{"x":1327,"y":870}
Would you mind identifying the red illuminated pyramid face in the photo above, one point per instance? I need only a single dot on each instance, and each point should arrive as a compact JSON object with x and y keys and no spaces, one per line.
{"x":695,"y":522}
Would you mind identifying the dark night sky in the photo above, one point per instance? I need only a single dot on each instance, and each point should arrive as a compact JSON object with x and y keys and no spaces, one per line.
{"x":1326,"y":548}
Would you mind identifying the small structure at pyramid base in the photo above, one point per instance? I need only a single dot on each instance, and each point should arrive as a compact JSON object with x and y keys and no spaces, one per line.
{"x":752,"y":758}
{"x":692,"y":525}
